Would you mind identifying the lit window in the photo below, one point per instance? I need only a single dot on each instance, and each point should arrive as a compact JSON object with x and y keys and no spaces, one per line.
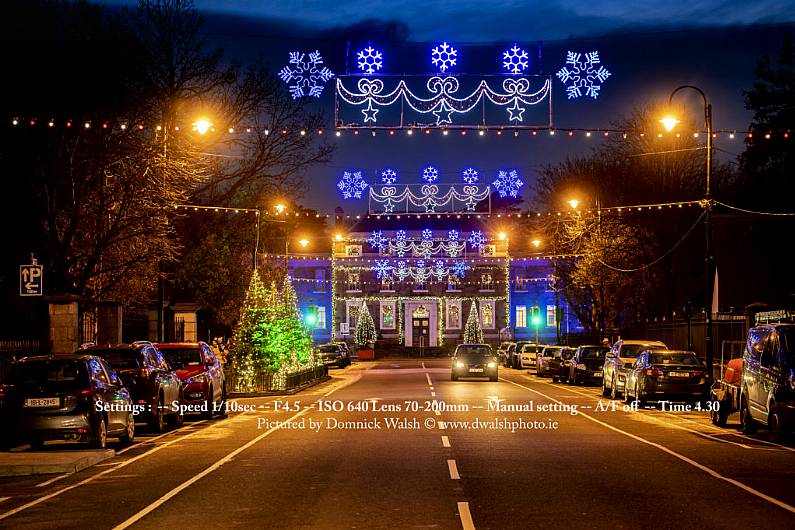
{"x":321,"y":317}
{"x":521,"y":316}
{"x":353,"y":281}
{"x":551,"y":320}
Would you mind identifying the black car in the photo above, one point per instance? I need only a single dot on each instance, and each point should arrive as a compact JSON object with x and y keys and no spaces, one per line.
{"x":151,"y":381}
{"x":586,"y":365}
{"x":474,"y":360}
{"x":666,"y":375}
{"x":334,"y":354}
{"x":72,"y":397}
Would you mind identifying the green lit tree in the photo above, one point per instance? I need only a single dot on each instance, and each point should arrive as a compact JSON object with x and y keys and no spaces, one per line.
{"x":365,"y":327}
{"x":285,"y":341}
{"x":473,"y":334}
{"x":254,"y":315}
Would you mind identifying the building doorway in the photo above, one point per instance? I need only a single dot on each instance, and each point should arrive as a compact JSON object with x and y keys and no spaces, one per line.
{"x":420,"y":327}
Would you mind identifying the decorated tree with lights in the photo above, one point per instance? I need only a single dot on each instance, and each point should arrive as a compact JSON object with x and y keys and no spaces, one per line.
{"x":365,"y":327}
{"x":254,"y":316}
{"x":285,"y":341}
{"x":473,"y":334}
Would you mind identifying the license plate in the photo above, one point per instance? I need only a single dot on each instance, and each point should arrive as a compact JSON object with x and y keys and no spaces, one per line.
{"x":597,"y":374}
{"x":42,"y":402}
{"x":476,"y":369}
{"x":679,"y":374}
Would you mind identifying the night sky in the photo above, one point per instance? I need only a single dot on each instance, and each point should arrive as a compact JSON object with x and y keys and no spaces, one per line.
{"x":649,"y":47}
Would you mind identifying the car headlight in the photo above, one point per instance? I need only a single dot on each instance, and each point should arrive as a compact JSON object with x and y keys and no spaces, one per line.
{"x":459,"y":364}
{"x":492,"y":365}
{"x":201,"y":378}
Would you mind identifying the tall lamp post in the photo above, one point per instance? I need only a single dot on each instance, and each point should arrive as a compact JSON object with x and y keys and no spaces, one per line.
{"x":669,"y":123}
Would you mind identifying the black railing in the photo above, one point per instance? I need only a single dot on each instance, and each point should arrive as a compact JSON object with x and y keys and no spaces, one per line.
{"x":267,"y":381}
{"x":11,"y":350}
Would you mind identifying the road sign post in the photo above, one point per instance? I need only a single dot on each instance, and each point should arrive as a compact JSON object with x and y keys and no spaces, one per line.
{"x":31,"y":280}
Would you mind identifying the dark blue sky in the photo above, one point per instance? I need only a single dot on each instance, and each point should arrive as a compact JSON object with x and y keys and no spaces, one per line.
{"x":650,"y":48}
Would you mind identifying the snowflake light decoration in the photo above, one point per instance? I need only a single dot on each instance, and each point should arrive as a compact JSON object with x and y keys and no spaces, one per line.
{"x":352,"y":185}
{"x":400,"y":235}
{"x":508,"y":183}
{"x":515,"y":60}
{"x":382,"y":268}
{"x":430,"y":174}
{"x":459,"y":268}
{"x":477,"y":239}
{"x":585,"y":74}
{"x":427,"y":234}
{"x":370,"y":60}
{"x":470,"y":175}
{"x":307,"y":75}
{"x":389,"y":176}
{"x":444,"y":56}
{"x":377,"y":240}
{"x":453,"y":235}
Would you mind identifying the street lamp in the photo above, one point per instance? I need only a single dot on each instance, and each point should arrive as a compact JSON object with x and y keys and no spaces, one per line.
{"x":279,"y":208}
{"x":669,"y":123}
{"x":502,"y":236}
{"x":202,"y":125}
{"x":536,"y":243}
{"x":573,"y":203}
{"x":303,"y":242}
{"x":338,"y":237}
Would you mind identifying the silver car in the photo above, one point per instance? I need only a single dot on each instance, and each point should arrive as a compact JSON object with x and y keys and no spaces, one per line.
{"x":621,"y":359}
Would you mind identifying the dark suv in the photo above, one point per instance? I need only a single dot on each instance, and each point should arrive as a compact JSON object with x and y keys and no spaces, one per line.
{"x":68,"y":397}
{"x":768,"y":382}
{"x":587,"y":364}
{"x":149,"y":378}
{"x":334,"y":354}
{"x":474,"y":360}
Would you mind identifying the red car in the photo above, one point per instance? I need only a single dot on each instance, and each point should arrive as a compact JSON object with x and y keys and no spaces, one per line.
{"x":202,"y":376}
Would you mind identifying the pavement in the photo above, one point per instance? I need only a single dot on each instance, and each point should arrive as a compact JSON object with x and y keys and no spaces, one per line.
{"x":397,"y":444}
{"x":45,"y":462}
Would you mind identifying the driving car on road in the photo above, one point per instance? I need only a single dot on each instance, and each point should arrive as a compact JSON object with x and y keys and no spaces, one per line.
{"x":670,"y":375}
{"x":201,"y":374}
{"x":587,"y":364}
{"x":68,"y":397}
{"x":620,"y":359}
{"x":474,"y":360}
{"x":333,"y":353}
{"x":149,"y":378}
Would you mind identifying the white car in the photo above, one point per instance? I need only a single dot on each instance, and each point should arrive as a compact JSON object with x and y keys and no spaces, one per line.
{"x":528,"y":357}
{"x":619,"y":360}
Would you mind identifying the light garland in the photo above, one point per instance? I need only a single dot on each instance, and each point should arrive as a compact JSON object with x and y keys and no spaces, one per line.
{"x":429,"y":198}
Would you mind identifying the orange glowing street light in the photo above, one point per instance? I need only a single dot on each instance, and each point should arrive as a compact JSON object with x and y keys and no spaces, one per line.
{"x":202,"y":125}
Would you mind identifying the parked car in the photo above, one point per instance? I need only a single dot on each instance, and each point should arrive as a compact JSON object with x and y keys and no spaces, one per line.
{"x":768,"y":383}
{"x":620,"y":359}
{"x":502,"y":348}
{"x":507,"y":357}
{"x":474,"y":360}
{"x":345,"y":348}
{"x":333,"y":353}
{"x":75,"y":397}
{"x":545,"y":356}
{"x":201,"y":374}
{"x":528,"y":355}
{"x":558,"y":366}
{"x":672,"y":375}
{"x":587,"y":364}
{"x":149,"y":378}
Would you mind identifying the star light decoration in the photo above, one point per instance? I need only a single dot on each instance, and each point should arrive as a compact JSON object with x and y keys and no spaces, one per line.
{"x":508,"y":183}
{"x":352,"y":185}
{"x":389,"y":176}
{"x":585,"y":74}
{"x":515,"y":60}
{"x":444,"y":56}
{"x":477,"y":239}
{"x":470,"y":175}
{"x":307,"y":76}
{"x":430,"y":174}
{"x":370,"y":60}
{"x":377,"y":240}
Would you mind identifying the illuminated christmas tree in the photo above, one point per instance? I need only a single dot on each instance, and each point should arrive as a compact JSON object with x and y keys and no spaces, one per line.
{"x":473,"y":334}
{"x":365,"y":327}
{"x":253,"y":316}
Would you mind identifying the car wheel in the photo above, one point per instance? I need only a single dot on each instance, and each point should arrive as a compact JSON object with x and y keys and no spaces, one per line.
{"x":639,"y":396}
{"x":222,"y":407}
{"x":208,"y":414}
{"x":775,"y":427}
{"x":157,"y":420}
{"x":100,"y":439}
{"x":627,"y":397}
{"x":614,"y":389}
{"x":747,"y":423}
{"x":572,"y":379}
{"x":128,"y":436}
{"x":493,"y":378}
{"x":177,"y":419}
{"x":719,"y":417}
{"x":605,"y":390}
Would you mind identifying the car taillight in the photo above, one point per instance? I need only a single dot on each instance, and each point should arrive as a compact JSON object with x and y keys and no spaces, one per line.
{"x":87,"y":395}
{"x":698,"y":373}
{"x":654,"y":372}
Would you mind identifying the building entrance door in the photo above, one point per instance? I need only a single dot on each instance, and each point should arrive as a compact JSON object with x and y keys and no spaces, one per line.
{"x":420,"y":327}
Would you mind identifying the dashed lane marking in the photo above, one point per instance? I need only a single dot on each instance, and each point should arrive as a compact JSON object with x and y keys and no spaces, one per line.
{"x":466,"y":516}
{"x":445,"y":441}
{"x":453,"y":470}
{"x":54,"y":479}
{"x":428,"y":377}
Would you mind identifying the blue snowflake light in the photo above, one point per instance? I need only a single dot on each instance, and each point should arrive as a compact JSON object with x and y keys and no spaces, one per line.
{"x":477,"y":239}
{"x":430,"y":174}
{"x":307,"y":76}
{"x":382,"y":268}
{"x":377,"y":240}
{"x":453,"y":235}
{"x":514,"y":60}
{"x":427,"y":234}
{"x":389,"y":176}
{"x":508,"y":183}
{"x":352,"y":185}
{"x":444,"y":56}
{"x":585,"y":74}
{"x":470,"y":175}
{"x":459,"y":268}
{"x":400,"y":235}
{"x":370,"y":60}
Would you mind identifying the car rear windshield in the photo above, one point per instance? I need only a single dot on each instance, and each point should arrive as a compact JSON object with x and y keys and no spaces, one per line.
{"x":473,"y":351}
{"x":120,"y":359}
{"x":674,"y":358}
{"x":182,"y":357}
{"x":595,"y":352}
{"x":634,"y":350}
{"x":527,"y":348}
{"x":51,"y":372}
{"x":329,"y":348}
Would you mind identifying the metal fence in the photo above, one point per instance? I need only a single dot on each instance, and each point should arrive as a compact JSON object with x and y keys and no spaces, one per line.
{"x":10,"y":350}
{"x":267,"y":381}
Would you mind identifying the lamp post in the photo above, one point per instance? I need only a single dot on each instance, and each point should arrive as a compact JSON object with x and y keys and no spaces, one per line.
{"x":669,"y":123}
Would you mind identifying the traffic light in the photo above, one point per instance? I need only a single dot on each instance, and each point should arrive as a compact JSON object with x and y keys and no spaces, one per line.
{"x":535,"y":316}
{"x":311,"y":315}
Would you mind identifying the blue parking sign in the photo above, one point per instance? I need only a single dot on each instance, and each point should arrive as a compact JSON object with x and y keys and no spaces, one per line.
{"x":31,"y":280}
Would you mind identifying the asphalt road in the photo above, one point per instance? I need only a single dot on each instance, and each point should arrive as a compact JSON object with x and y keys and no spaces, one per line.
{"x":454,"y":462}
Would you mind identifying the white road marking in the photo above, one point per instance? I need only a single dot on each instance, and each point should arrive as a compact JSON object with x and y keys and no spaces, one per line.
{"x":436,"y":411}
{"x":423,"y":365}
{"x":433,"y":394}
{"x":150,"y":440}
{"x":466,"y":517}
{"x":453,"y":470}
{"x":3,"y":499}
{"x":441,"y":424}
{"x":175,"y":491}
{"x":673,"y":453}
{"x":55,"y":479}
{"x":718,"y":430}
{"x":445,"y":441}
{"x":428,"y":377}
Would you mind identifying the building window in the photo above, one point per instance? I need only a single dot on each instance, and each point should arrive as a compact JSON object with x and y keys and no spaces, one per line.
{"x":487,"y":314}
{"x":387,"y":315}
{"x":321,"y":317}
{"x":421,"y":286}
{"x":353,"y":282}
{"x":320,"y":280}
{"x":521,"y":283}
{"x":454,"y":315}
{"x":486,"y":282}
{"x":353,"y":313}
{"x":453,"y":283}
{"x":387,"y":284}
{"x":551,"y":320}
{"x":521,"y":316}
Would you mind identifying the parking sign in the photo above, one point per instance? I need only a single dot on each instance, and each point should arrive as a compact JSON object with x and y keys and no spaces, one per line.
{"x":31,"y":280}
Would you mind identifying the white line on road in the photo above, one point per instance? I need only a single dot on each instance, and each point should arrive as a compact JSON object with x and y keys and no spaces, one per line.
{"x":56,"y":479}
{"x":453,"y":470}
{"x":433,"y":394}
{"x":441,"y":424}
{"x":423,"y":366}
{"x":150,"y":440}
{"x":3,"y":499}
{"x":436,"y":411}
{"x":445,"y":441}
{"x":673,"y":453}
{"x":428,"y":377}
{"x":466,"y":517}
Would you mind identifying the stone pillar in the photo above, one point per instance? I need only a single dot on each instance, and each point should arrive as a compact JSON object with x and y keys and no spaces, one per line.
{"x":109,"y":318}
{"x":63,"y":323}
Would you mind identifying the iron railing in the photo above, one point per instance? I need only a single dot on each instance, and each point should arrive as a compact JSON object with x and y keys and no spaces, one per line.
{"x":267,"y":381}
